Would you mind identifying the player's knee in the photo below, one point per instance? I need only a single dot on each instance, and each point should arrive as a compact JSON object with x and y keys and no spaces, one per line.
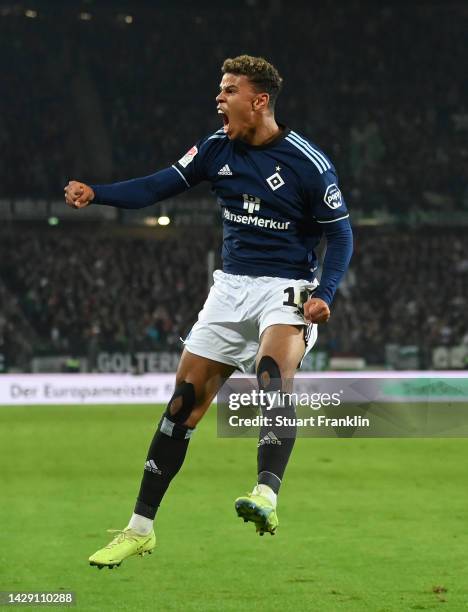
{"x":269,"y":374}
{"x":270,"y":380}
{"x":175,"y":421}
{"x":181,"y":403}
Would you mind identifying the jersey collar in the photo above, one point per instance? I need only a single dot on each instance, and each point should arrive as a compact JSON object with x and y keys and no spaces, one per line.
{"x":281,"y":136}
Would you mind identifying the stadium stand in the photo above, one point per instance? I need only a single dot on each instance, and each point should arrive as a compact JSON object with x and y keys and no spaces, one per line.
{"x":390,"y":113}
{"x":74,"y":290}
{"x":115,"y":95}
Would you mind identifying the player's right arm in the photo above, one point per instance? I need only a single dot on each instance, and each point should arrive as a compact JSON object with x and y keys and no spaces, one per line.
{"x":134,"y":193}
{"x":143,"y":191}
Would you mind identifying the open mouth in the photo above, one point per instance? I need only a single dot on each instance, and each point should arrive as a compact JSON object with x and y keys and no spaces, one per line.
{"x":225,"y":119}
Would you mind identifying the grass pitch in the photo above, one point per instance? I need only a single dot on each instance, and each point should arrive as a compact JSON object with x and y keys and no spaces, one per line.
{"x":378,"y":525}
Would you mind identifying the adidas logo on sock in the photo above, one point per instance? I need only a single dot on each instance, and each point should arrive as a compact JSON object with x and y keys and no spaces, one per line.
{"x":270,"y":438}
{"x":150,"y":466}
{"x":225,"y":171}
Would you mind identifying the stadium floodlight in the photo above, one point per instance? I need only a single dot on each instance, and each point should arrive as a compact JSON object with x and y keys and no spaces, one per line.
{"x":85,"y":16}
{"x":164,"y":220}
{"x":30,"y":13}
{"x":125,"y":18}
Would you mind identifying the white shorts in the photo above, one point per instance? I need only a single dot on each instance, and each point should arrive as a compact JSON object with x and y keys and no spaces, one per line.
{"x":237,"y":311}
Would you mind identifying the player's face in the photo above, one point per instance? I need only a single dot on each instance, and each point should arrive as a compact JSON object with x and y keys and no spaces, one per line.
{"x":236,"y":105}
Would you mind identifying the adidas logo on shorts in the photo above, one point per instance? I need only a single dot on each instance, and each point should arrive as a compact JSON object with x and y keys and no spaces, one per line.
{"x":225,"y":171}
{"x":270,"y":438}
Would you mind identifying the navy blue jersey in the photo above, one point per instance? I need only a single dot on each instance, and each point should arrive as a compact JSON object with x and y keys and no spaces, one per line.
{"x":274,"y":200}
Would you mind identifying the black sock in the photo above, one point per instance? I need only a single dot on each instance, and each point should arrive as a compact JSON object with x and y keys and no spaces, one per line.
{"x":274,"y":447}
{"x":275,"y":441}
{"x":165,"y":458}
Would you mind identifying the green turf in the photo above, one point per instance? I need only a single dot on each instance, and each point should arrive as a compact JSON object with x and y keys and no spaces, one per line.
{"x":364,"y":524}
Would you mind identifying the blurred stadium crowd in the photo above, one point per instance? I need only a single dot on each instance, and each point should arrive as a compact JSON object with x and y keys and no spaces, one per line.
{"x":100,"y":94}
{"x":80,"y":293}
{"x":107,"y":98}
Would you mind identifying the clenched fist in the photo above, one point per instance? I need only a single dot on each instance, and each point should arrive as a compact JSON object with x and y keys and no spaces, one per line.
{"x":78,"y":195}
{"x":316,"y":311}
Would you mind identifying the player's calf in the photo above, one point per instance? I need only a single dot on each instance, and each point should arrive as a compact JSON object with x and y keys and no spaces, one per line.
{"x":274,"y":449}
{"x":166,"y":453}
{"x":276,"y":440}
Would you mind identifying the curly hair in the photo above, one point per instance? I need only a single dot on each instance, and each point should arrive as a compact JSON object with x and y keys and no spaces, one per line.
{"x":263,"y":75}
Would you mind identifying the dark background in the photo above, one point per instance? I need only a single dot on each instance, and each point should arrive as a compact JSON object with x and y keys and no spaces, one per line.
{"x":103,"y":91}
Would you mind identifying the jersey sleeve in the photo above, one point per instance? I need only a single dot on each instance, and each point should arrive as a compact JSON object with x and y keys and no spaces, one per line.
{"x":192,"y":167}
{"x":140,"y":192}
{"x":328,"y":205}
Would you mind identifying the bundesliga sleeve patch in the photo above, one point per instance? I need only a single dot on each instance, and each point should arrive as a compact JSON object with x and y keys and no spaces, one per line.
{"x":188,"y":157}
{"x":332,"y":197}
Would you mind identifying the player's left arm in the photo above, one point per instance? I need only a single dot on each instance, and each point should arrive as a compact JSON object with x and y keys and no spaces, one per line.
{"x":146,"y":190}
{"x":331,"y":213}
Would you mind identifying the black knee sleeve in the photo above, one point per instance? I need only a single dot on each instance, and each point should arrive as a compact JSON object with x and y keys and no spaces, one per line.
{"x":181,"y":403}
{"x":178,"y":410}
{"x":269,"y":374}
{"x":270,"y":381}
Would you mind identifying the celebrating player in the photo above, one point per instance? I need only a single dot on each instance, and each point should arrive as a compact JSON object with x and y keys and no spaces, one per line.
{"x":278,"y":195}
